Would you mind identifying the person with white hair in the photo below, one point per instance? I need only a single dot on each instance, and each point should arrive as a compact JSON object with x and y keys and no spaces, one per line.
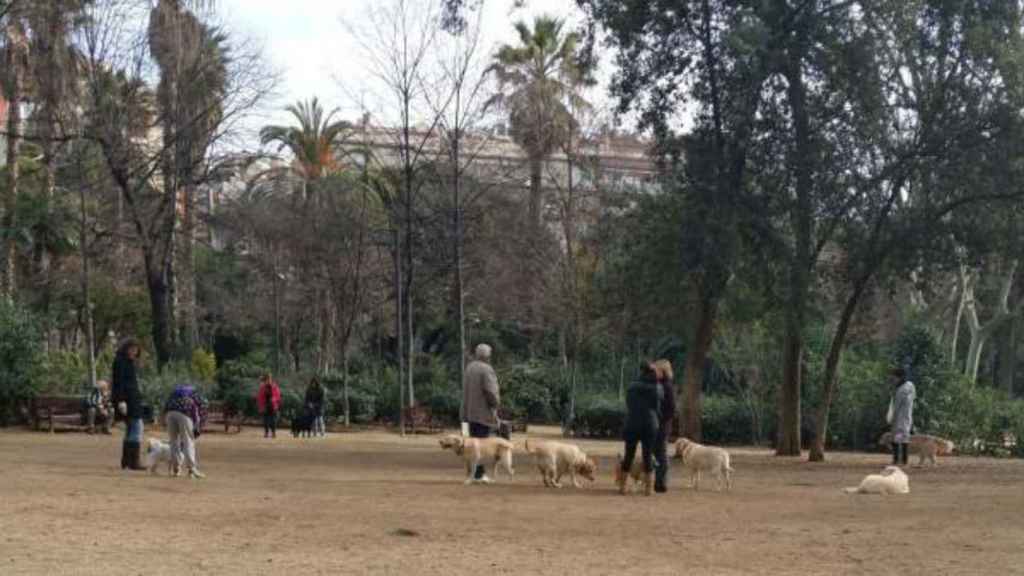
{"x":480,"y":400}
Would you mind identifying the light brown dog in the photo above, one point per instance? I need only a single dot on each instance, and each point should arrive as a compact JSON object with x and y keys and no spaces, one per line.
{"x":636,"y":474}
{"x":480,"y":451}
{"x":926,"y":446}
{"x":555,"y":459}
{"x":698,"y":458}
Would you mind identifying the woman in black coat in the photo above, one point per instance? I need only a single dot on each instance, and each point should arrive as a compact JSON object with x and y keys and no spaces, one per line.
{"x":644,"y":400}
{"x":128,"y":400}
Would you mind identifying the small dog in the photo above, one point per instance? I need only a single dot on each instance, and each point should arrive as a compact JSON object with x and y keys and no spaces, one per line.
{"x":892,"y":480}
{"x":926,"y":446}
{"x":302,"y":425}
{"x":158,"y":451}
{"x":636,"y":473}
{"x":480,"y":451}
{"x":555,"y":459}
{"x":698,"y":458}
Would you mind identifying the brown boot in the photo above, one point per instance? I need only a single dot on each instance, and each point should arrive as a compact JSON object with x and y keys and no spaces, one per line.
{"x":620,"y":479}
{"x":648,"y":483}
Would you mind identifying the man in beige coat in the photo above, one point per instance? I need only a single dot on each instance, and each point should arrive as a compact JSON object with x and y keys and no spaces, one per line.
{"x":480,"y":400}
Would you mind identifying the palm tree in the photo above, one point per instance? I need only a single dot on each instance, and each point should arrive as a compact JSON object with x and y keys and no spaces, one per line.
{"x":539,"y":81}
{"x":312,"y":142}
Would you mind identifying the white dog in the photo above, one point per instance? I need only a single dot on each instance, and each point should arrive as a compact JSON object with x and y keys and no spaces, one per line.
{"x":480,"y":451}
{"x":698,"y":458}
{"x":158,"y":451}
{"x":555,"y":459}
{"x":892,"y":480}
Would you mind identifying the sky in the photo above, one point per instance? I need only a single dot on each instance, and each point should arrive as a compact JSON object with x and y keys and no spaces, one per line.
{"x":309,"y":42}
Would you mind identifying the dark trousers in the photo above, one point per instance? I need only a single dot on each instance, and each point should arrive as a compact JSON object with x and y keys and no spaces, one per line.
{"x":646,"y":439}
{"x":900,"y":453}
{"x":477,"y":430}
{"x":661,"y":457}
{"x":269,"y":423}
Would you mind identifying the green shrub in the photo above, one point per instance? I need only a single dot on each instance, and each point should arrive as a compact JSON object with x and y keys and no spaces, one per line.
{"x":204,"y":365}
{"x":237,"y":383}
{"x":527,"y":394}
{"x":20,"y":359}
{"x":63,"y":372}
{"x":599,"y":417}
{"x":724,"y":420}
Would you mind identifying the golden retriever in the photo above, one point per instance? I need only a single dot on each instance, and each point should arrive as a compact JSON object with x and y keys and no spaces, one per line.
{"x":555,"y":459}
{"x":926,"y":446}
{"x":698,"y":458}
{"x":480,"y":451}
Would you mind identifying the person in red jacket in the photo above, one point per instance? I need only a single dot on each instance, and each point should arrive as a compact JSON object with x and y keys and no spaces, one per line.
{"x":268,"y":400}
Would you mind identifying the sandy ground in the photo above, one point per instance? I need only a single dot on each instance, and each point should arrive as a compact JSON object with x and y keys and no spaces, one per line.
{"x":374,"y":503}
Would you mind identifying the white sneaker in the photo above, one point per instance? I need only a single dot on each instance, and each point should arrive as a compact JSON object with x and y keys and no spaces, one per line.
{"x":485,"y":480}
{"x":196,"y":474}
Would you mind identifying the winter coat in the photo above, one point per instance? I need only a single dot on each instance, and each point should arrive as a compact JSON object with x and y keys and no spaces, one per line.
{"x":125,"y":386}
{"x":668,"y":407}
{"x":644,"y":400}
{"x":903,"y":412}
{"x":315,"y":400}
{"x":188,"y":401}
{"x":272,"y":390}
{"x":480,"y":395}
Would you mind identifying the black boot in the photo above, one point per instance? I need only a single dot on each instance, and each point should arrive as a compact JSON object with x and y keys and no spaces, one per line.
{"x":661,"y":479}
{"x":895,"y":453}
{"x":904,"y":453}
{"x":134,"y":455}
{"x":124,"y":455}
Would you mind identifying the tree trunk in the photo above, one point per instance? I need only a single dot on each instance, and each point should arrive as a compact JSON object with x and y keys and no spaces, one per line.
{"x":1008,"y":357}
{"x":13,"y":87}
{"x":831,"y":376}
{"x":396,"y":238}
{"x":189,"y":319}
{"x":980,"y":333}
{"x":964,"y":283}
{"x":800,"y":263}
{"x":536,"y":194}
{"x":344,"y":386}
{"x":160,"y":311}
{"x":696,"y":357}
{"x":86,"y":296}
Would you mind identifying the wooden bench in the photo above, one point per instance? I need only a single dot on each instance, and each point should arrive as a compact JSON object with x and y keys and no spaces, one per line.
{"x":221,"y":413}
{"x":418,"y":419}
{"x":68,"y":410}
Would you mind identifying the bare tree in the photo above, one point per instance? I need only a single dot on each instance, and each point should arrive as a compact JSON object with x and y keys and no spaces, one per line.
{"x":397,"y":42}
{"x":129,"y":123}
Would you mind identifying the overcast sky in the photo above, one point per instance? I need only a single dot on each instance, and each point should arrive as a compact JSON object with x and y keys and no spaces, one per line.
{"x":308,"y":42}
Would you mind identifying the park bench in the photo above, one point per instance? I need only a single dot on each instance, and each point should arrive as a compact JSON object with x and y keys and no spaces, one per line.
{"x":221,"y":413}
{"x":53,"y":410}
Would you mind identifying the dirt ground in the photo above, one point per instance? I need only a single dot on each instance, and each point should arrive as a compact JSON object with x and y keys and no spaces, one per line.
{"x":375,"y":503}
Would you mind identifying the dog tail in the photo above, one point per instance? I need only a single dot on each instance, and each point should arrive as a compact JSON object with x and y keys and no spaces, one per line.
{"x":851,"y":490}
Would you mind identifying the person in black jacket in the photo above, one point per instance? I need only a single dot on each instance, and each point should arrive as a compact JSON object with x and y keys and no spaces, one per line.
{"x":128,"y":400}
{"x":643,"y":421}
{"x":315,"y":406}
